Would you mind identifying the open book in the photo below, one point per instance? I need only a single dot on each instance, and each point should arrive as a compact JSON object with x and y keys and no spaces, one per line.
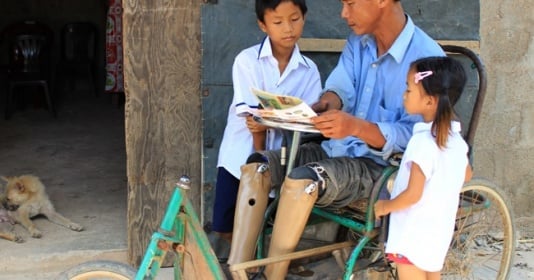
{"x":287,"y":112}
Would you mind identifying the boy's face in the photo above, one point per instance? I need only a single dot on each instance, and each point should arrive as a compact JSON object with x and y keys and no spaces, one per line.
{"x":284,"y":25}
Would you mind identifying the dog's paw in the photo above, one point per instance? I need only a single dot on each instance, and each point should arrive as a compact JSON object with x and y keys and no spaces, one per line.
{"x":18,"y":239}
{"x":36,"y":233}
{"x":75,"y":227}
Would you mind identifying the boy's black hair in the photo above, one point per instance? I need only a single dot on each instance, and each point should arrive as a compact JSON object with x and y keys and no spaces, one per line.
{"x":263,"y":5}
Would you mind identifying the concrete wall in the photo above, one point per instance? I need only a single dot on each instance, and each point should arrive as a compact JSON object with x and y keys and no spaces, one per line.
{"x":505,"y":137}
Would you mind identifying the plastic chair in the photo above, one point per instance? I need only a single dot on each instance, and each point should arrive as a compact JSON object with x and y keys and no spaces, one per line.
{"x":78,"y":48}
{"x":28,"y":67}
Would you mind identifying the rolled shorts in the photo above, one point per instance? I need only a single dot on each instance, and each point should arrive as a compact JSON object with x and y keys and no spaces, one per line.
{"x":347,"y":179}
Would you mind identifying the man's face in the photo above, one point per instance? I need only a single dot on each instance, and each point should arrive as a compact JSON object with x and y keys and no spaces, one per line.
{"x":361,"y":15}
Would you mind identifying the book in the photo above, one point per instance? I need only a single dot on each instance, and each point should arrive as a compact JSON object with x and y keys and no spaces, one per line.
{"x":283,"y":107}
{"x":283,"y":111}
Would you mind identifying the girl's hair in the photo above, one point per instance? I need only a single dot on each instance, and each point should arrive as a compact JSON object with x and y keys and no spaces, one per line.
{"x":263,"y":5}
{"x":446,"y":82}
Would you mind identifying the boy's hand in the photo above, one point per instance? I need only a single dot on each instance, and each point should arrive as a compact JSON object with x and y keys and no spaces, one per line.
{"x":254,"y":126}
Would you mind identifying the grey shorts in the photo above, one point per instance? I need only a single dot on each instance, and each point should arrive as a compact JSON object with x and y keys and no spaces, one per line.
{"x":347,"y":179}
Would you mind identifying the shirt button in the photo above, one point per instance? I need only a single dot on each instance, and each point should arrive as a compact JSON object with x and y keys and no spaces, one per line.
{"x":374,"y":65}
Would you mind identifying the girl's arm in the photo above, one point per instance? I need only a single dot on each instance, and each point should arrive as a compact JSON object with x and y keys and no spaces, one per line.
{"x":408,"y":197}
{"x":468,"y":173}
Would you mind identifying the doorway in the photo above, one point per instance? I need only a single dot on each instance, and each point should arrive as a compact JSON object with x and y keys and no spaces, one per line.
{"x":79,"y":156}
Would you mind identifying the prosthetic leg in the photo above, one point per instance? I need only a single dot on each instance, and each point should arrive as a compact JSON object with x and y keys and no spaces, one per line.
{"x":252,"y":198}
{"x":297,"y":198}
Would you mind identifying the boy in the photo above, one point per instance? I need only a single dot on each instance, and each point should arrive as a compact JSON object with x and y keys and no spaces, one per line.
{"x":275,"y":65}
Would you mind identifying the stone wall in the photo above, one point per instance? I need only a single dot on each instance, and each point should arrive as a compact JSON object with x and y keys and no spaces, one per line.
{"x":505,"y":137}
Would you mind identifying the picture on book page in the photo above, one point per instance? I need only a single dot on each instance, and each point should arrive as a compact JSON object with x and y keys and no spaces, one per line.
{"x":283,"y":108}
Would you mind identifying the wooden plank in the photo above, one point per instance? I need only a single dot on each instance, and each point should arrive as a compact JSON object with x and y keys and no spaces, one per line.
{"x":292,"y":256}
{"x":163,"y":117}
{"x":336,"y":45}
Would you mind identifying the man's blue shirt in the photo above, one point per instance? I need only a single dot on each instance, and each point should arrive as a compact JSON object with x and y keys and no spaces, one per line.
{"x":372,"y":88}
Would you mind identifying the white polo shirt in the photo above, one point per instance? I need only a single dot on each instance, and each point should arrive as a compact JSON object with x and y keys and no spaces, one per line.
{"x":257,"y":67}
{"x":422,"y":233}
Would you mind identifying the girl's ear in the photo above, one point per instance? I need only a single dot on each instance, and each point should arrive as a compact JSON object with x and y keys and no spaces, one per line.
{"x":262,"y":26}
{"x":431,"y":100}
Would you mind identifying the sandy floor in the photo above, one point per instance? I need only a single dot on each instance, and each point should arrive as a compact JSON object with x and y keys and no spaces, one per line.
{"x":80,"y":157}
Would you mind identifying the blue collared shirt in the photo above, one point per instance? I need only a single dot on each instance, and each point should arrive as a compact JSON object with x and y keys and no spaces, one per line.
{"x":372,"y":88}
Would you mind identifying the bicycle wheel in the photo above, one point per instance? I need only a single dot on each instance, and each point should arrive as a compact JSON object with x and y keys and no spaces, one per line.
{"x":483,"y":244}
{"x":99,"y":270}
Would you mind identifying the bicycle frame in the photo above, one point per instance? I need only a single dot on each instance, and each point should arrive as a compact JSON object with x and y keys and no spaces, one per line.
{"x":179,"y":220}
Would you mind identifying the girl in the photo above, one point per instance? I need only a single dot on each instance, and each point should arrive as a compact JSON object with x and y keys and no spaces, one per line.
{"x":433,"y":169}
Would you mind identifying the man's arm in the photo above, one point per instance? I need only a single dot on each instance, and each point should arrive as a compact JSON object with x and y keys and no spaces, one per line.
{"x":337,"y":124}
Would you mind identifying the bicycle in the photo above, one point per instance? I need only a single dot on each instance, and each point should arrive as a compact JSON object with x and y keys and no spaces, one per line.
{"x":179,"y":223}
{"x":482,"y":247}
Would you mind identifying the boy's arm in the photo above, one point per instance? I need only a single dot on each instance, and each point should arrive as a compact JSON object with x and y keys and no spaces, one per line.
{"x":259,"y":133}
{"x":411,"y":195}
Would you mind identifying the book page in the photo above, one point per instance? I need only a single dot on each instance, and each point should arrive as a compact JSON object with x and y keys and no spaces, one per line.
{"x":283,"y":108}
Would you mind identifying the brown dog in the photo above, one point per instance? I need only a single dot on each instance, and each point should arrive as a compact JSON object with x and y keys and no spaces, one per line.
{"x":6,"y":226}
{"x":25,"y":198}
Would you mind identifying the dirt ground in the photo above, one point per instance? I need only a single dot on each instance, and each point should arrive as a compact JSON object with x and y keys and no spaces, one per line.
{"x":80,"y":157}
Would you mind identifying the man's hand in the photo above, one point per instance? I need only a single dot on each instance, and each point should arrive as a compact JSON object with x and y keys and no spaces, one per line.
{"x":336,"y":124}
{"x":329,"y":101}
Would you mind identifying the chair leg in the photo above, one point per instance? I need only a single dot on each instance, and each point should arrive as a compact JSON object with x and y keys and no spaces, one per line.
{"x":9,"y":100}
{"x":48,"y":98}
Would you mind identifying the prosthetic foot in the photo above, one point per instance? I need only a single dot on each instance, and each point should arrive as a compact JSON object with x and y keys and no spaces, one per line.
{"x":297,"y":198}
{"x":252,"y":198}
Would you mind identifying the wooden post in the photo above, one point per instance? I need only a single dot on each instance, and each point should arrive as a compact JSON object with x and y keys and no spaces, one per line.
{"x":162,"y":51}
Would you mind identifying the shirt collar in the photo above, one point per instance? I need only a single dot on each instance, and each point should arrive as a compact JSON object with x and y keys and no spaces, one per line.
{"x":399,"y":47}
{"x":296,"y":57}
{"x":426,"y":126}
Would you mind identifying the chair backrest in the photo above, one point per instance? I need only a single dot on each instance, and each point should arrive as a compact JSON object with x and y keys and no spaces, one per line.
{"x":470,"y":103}
{"x":78,"y":42}
{"x":28,"y":53}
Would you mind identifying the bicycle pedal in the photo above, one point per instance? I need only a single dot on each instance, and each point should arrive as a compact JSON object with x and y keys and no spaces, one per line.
{"x":380,"y":266}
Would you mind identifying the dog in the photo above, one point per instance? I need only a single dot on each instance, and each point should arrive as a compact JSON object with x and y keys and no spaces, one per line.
{"x":25,"y":197}
{"x":6,"y":225}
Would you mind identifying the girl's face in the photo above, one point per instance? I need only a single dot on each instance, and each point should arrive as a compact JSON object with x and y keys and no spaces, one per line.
{"x":284,"y":25}
{"x":416,"y":100}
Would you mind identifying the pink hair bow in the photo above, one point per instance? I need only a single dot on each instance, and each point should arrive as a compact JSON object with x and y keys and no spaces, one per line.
{"x":421,"y":75}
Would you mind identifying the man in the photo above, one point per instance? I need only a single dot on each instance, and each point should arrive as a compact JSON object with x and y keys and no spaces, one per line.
{"x":361,"y":112}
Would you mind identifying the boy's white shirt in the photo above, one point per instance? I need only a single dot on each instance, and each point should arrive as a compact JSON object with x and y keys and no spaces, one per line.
{"x":256,"y":67}
{"x":422,"y":232}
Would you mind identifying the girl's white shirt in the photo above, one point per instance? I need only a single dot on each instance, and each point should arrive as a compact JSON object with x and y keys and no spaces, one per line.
{"x":423,"y":232}
{"x":257,"y":67}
